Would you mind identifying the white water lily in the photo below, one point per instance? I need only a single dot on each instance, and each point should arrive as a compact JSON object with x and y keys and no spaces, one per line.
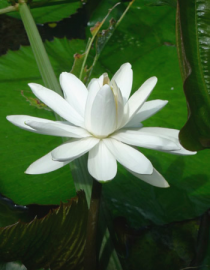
{"x":103,"y":121}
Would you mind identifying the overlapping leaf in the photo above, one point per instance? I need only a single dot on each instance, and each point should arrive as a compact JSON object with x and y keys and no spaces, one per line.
{"x":51,"y":11}
{"x":56,"y":241}
{"x":193,"y":35}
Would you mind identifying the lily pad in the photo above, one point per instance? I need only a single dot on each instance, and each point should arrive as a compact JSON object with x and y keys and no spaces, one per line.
{"x":49,"y":13}
{"x":21,"y":148}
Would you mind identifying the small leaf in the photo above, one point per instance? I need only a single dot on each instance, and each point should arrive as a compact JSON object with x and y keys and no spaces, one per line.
{"x":35,"y":102}
{"x":104,"y":35}
{"x":56,"y":241}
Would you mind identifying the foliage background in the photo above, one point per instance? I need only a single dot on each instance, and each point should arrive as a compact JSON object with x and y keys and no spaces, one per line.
{"x":145,"y":38}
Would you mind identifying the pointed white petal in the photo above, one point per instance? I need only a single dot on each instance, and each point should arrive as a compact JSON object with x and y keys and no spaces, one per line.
{"x":129,"y":157}
{"x":45,"y":165}
{"x":101,"y":163}
{"x":93,"y":87}
{"x":101,"y":80}
{"x":57,"y":104}
{"x":57,"y":129}
{"x":124,"y":79}
{"x":172,"y":134}
{"x":20,"y":120}
{"x":119,"y":103}
{"x":145,"y":139}
{"x":73,"y":149}
{"x":103,"y":113}
{"x":138,"y":98}
{"x":74,"y":91}
{"x":154,"y":179}
{"x":148,"y":109}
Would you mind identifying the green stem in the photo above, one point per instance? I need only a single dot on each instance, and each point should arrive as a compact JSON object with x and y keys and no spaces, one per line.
{"x":123,"y":15}
{"x":38,"y":48}
{"x":90,"y":260}
{"x":91,"y":42}
{"x":117,"y":23}
{"x":9,"y":9}
{"x":202,"y":240}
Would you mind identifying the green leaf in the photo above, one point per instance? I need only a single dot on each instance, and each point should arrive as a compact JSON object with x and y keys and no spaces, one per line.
{"x":160,"y":2}
{"x":194,"y":54}
{"x":59,"y":236}
{"x":20,"y":148}
{"x":51,"y":13}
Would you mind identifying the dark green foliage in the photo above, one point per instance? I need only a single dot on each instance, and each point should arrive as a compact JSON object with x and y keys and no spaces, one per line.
{"x":193,"y":35}
{"x":56,"y":240}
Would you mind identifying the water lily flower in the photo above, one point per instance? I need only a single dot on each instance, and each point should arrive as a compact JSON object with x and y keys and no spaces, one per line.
{"x":102,"y":120}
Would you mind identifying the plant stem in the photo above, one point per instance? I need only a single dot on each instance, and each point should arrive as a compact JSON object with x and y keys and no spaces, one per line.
{"x":9,"y":9}
{"x":38,"y":48}
{"x":202,"y":240}
{"x":90,"y":260}
{"x":91,"y":41}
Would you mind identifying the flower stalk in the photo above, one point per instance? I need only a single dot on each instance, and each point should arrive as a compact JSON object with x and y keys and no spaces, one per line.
{"x":91,"y":260}
{"x":38,"y":48}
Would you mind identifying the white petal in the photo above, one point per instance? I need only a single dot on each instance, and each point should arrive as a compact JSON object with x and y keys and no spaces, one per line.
{"x":45,"y":165}
{"x":124,"y":79}
{"x":101,"y":80}
{"x":93,"y":87}
{"x":172,"y":134}
{"x":57,"y":129}
{"x":73,"y":149}
{"x":74,"y":91}
{"x":129,"y":157}
{"x":148,"y":109}
{"x":154,"y":179}
{"x":101,"y":163}
{"x":19,"y":121}
{"x":103,"y":113}
{"x":57,"y":104}
{"x":145,"y":139}
{"x":138,"y":98}
{"x":119,"y":103}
